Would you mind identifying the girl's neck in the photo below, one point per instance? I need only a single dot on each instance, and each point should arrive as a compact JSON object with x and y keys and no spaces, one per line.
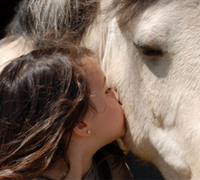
{"x":80,"y":163}
{"x":80,"y":154}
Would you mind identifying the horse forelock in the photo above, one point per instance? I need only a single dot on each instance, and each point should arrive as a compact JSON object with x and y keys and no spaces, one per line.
{"x":128,"y":9}
{"x":49,"y":19}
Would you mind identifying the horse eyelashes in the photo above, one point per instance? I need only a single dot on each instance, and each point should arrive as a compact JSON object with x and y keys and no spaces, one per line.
{"x":150,"y":52}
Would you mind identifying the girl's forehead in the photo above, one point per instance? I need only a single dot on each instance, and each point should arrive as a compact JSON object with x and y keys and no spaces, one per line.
{"x":91,"y":61}
{"x":92,"y":70}
{"x":91,"y":66}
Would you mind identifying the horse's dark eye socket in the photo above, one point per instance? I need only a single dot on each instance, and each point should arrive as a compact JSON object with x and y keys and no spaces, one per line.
{"x":150,"y":52}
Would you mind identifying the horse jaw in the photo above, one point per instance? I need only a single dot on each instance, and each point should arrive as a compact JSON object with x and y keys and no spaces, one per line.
{"x":161,"y":95}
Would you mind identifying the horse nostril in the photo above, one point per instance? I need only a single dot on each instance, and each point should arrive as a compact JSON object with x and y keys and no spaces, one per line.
{"x":119,"y":102}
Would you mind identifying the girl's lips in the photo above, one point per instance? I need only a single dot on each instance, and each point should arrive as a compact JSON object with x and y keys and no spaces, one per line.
{"x":118,"y":96}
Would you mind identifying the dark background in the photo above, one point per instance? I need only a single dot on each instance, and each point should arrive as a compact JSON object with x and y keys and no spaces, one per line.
{"x":139,"y":169}
{"x":6,"y":13}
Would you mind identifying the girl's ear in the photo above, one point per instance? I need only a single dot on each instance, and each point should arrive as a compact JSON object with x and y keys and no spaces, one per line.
{"x":82,"y":129}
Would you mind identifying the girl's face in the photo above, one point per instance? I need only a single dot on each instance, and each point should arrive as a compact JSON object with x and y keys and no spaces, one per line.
{"x":108,"y":119}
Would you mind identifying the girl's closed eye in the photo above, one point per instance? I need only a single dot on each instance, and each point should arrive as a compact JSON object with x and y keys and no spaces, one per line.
{"x":108,"y":90}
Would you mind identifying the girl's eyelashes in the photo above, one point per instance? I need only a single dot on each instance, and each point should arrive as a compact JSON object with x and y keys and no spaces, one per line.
{"x":108,"y":90}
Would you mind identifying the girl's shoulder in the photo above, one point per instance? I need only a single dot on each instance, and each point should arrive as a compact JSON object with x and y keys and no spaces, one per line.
{"x":121,"y":172}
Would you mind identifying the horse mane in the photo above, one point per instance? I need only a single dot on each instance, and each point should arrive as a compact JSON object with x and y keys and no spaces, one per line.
{"x":65,"y":20}
{"x":129,"y":9}
{"x":39,"y":20}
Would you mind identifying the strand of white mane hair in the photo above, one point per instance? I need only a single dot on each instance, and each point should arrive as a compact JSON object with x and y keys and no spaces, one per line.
{"x":100,"y":31}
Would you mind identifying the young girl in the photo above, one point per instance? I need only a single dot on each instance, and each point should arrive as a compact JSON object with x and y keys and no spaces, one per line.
{"x":58,"y":118}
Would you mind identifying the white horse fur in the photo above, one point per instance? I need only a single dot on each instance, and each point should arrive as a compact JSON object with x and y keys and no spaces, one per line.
{"x":154,"y":61}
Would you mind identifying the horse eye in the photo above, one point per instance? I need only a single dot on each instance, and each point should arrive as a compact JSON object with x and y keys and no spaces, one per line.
{"x":150,"y":52}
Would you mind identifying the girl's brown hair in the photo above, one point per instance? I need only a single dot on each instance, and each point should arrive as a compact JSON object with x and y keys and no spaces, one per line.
{"x":43,"y":95}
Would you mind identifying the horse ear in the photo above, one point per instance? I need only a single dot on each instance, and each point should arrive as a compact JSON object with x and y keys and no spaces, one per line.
{"x":82,"y":129}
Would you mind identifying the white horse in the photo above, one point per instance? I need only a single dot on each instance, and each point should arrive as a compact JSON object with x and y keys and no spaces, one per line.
{"x":150,"y":52}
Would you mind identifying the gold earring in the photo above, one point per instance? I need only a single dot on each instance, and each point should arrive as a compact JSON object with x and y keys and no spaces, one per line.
{"x":88,"y":131}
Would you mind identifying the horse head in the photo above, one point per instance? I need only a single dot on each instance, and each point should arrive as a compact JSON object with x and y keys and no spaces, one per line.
{"x":149,"y":51}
